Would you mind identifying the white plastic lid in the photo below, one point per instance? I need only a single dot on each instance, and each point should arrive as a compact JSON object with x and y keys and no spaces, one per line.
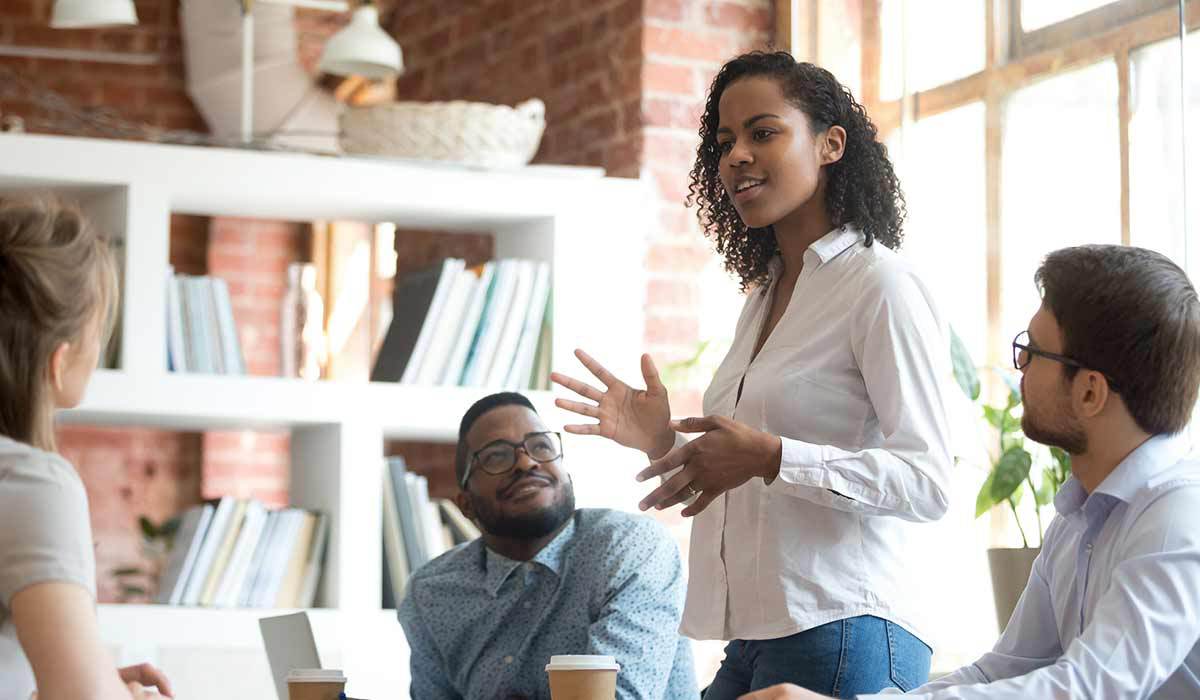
{"x":582,"y":662}
{"x":316,"y":675}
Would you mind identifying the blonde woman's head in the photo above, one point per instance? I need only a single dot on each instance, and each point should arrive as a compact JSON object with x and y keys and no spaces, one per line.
{"x":58,"y":288}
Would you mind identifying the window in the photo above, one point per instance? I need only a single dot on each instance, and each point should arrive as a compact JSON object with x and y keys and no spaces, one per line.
{"x":1036,"y":14}
{"x":1061,"y":181}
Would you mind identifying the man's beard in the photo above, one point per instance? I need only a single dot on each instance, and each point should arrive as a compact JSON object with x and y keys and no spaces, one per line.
{"x":527,"y":526}
{"x":1066,"y":434}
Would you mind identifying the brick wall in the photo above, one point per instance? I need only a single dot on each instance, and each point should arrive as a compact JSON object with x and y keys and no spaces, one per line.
{"x":580,"y":57}
{"x":151,"y":94}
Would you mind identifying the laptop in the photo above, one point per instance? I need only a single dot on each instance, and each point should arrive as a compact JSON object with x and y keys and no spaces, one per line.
{"x":290,"y":644}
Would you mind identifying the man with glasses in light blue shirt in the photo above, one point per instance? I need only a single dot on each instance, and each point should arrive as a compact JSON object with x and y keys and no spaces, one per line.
{"x":483,"y":620}
{"x":1110,"y":367}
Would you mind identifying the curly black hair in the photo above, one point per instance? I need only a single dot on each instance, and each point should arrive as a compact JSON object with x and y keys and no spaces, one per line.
{"x":862,"y":187}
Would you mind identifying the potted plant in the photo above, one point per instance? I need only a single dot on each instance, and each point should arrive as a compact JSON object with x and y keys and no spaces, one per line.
{"x":1014,"y":463}
{"x":138,"y":582}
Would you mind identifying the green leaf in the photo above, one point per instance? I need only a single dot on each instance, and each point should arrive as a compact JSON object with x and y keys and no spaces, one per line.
{"x":1011,"y":423}
{"x":1063,"y":461}
{"x":1014,"y":389}
{"x":149,"y":529}
{"x":1045,"y":493}
{"x":994,"y":416}
{"x":1011,"y":441}
{"x":127,"y":571}
{"x":1009,"y":473}
{"x":964,"y":367}
{"x":984,"y":501}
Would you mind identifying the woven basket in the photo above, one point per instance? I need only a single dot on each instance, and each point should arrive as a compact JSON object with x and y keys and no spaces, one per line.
{"x":466,"y":132}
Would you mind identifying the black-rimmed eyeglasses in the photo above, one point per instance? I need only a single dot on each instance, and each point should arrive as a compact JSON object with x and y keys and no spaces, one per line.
{"x":1023,"y":353}
{"x":500,"y":456}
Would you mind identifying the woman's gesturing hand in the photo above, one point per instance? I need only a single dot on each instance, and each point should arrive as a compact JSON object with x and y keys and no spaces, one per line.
{"x":635,"y":418}
{"x":726,"y":456}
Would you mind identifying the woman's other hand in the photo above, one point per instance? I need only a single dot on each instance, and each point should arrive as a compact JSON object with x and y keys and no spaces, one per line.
{"x":146,"y":674}
{"x":726,"y":456}
{"x":635,"y":418}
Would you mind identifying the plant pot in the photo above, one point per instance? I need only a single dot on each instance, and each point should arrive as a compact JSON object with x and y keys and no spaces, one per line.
{"x":1010,"y":572}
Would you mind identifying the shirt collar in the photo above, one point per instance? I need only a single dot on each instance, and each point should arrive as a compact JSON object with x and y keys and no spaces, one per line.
{"x":498,"y":568}
{"x":835,"y":242}
{"x":825,"y":248}
{"x":1155,"y":455}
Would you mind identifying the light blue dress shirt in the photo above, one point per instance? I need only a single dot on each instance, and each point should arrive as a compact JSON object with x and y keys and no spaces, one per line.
{"x":481,"y":626}
{"x":1112,"y":607}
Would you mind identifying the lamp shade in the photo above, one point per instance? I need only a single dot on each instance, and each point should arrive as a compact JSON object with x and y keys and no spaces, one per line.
{"x":362,"y":48}
{"x":69,"y":14}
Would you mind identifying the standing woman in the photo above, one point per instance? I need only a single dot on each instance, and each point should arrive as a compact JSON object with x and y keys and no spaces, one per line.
{"x":57,"y":290}
{"x":825,"y":433}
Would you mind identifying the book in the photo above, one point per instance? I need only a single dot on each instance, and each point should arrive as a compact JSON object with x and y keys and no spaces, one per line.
{"x":176,"y":347}
{"x":230,"y":587}
{"x":276,"y":562}
{"x":212,"y":329}
{"x":522,"y":365}
{"x":512,"y":326}
{"x":110,"y":358}
{"x":246,"y":596}
{"x":460,"y":526}
{"x":198,"y":301}
{"x":387,"y":600}
{"x":449,"y":324}
{"x":491,"y":324}
{"x":425,"y":514}
{"x":410,"y":305}
{"x":413,"y":548}
{"x":188,"y":334}
{"x":449,"y":273}
{"x":395,"y":557}
{"x":184,"y":548}
{"x":539,"y":378}
{"x":231,"y":348}
{"x":199,"y":575}
{"x":224,"y":551}
{"x":453,"y":372}
{"x":293,"y":576}
{"x":313,"y":563}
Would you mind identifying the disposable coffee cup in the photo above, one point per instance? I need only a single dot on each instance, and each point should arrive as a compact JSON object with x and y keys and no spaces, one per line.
{"x":583,"y":677}
{"x":315,"y":683}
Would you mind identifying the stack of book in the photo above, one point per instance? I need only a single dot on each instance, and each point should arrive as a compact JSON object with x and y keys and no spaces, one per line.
{"x":201,"y":334}
{"x":236,"y":553}
{"x":416,"y":528}
{"x":485,"y":326}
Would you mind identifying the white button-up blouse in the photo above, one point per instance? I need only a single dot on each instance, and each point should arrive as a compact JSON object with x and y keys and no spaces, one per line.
{"x":851,"y":379}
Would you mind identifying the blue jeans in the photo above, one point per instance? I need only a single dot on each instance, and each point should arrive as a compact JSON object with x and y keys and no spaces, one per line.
{"x":857,"y":655}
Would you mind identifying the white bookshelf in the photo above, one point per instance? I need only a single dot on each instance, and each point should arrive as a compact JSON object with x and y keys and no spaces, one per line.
{"x":590,"y":228}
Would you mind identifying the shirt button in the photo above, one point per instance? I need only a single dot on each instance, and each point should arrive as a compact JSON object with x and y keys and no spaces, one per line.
{"x":508,"y":659}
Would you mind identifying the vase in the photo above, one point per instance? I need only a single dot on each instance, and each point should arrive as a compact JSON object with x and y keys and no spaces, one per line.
{"x":302,"y":320}
{"x":1010,"y":568}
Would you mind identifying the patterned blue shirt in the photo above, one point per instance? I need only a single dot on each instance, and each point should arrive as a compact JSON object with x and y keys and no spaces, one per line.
{"x":481,"y":626}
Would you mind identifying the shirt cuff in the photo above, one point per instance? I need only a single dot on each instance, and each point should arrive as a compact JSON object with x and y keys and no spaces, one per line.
{"x":797,"y":460}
